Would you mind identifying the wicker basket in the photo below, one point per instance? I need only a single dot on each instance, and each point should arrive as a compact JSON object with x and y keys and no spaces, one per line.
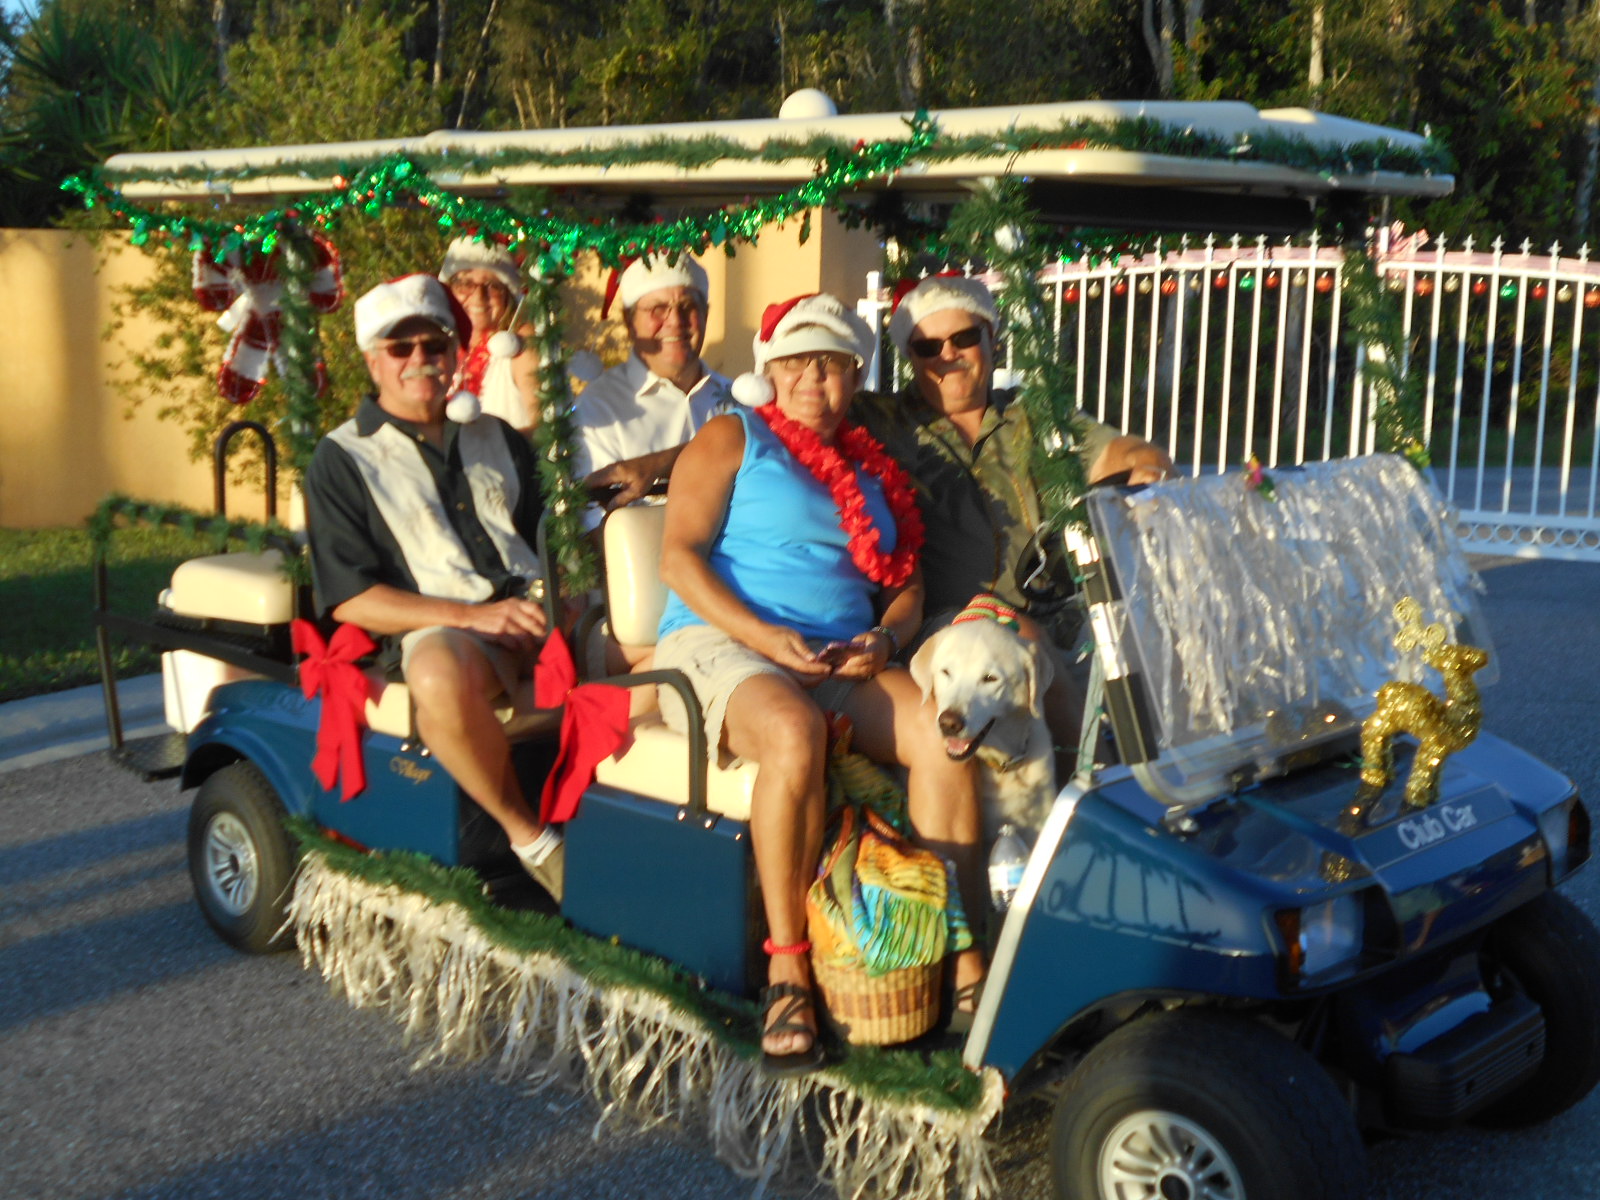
{"x":879,"y":1010}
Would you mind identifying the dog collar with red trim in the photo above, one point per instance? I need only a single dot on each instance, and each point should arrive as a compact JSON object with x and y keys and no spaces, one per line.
{"x":989,"y":608}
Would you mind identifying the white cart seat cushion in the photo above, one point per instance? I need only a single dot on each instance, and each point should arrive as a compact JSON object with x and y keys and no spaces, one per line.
{"x":635,"y":595}
{"x":244,"y":587}
{"x":656,"y":764}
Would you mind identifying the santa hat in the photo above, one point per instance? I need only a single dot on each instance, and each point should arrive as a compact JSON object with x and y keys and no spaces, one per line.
{"x":805,"y":324}
{"x":387,"y":305}
{"x":935,"y":294}
{"x":481,"y":254}
{"x":642,"y":276}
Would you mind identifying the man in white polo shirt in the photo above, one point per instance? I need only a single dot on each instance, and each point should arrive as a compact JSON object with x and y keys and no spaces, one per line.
{"x":635,"y":418}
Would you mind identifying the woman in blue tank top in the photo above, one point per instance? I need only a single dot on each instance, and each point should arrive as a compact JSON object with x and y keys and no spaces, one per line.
{"x":791,"y":554}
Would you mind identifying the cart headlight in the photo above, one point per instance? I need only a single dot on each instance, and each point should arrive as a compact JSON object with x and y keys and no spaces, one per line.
{"x":1321,"y":936}
{"x":1565,"y":830}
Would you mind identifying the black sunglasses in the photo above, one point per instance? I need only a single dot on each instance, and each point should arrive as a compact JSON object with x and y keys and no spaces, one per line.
{"x":962,"y":339}
{"x":432,"y":347}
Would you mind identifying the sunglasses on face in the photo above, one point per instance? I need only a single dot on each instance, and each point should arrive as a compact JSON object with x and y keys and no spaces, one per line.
{"x":432,"y":347}
{"x":962,"y":339}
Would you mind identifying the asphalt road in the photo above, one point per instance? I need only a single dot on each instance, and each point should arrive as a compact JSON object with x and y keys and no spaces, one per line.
{"x":142,"y":1059}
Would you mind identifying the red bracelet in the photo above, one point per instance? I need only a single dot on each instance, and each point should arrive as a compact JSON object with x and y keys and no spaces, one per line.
{"x":771,"y":947}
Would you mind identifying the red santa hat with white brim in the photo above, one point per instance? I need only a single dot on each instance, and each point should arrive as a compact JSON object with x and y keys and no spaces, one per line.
{"x":935,"y":294}
{"x":481,"y":254}
{"x":645,"y":275}
{"x":804,"y":325}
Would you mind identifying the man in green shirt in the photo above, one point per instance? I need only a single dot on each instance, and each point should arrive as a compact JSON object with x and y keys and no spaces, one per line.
{"x":966,"y":446}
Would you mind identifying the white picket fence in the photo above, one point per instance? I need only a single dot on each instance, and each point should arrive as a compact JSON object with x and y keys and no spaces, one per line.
{"x":1221,"y":349}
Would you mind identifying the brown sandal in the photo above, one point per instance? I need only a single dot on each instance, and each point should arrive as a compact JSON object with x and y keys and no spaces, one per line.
{"x":797,"y":998}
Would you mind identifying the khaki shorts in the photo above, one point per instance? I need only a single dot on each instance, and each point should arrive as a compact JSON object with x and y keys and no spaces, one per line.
{"x":509,"y":665}
{"x":715,"y":665}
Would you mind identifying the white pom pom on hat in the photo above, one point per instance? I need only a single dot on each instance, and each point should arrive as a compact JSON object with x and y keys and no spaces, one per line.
{"x":753,"y":390}
{"x":935,"y":294}
{"x":463,"y":408}
{"x":504,"y":344}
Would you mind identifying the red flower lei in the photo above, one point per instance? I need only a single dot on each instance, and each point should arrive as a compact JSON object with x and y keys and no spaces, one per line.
{"x":831,"y":467}
{"x":472,"y":368}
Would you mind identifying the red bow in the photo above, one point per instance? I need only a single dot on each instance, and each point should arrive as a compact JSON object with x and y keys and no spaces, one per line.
{"x":594,"y":726}
{"x":248,"y":294}
{"x":330,"y":671}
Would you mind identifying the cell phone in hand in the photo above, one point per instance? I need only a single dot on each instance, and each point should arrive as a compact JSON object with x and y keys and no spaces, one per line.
{"x":836,"y":653}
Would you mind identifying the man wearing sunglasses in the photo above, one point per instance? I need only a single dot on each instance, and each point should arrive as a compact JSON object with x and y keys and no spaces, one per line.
{"x":634,"y":419}
{"x":966,"y":445}
{"x":422,"y":533}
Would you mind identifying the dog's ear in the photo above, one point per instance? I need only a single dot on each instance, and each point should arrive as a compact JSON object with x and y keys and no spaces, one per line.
{"x":1041,"y":672}
{"x":922,"y":664}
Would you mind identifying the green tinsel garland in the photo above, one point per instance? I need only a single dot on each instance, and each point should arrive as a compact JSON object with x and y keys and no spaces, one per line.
{"x":1001,"y":229}
{"x":564,"y":497}
{"x":1375,"y":320}
{"x":299,"y":343}
{"x":219,"y":530}
{"x":1141,"y":134}
{"x":936,"y":1080}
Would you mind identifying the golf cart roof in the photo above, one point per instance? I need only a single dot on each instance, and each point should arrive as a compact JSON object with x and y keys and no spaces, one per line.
{"x":1081,"y":184}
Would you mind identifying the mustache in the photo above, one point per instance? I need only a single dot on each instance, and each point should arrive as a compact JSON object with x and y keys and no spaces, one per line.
{"x":426,"y":371}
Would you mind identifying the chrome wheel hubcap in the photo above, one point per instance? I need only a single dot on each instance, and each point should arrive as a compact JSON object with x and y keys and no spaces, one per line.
{"x":232,"y":867}
{"x":1155,"y":1155}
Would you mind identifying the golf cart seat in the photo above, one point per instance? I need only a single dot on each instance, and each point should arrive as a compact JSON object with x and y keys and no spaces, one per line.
{"x":655,"y":762}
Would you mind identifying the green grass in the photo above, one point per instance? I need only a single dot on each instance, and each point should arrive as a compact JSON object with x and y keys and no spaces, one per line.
{"x":47,"y":592}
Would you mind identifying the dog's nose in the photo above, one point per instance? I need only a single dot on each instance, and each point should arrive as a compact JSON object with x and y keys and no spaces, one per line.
{"x":950,"y":723}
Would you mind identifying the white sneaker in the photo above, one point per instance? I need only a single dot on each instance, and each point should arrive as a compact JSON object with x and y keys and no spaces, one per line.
{"x":546,"y":863}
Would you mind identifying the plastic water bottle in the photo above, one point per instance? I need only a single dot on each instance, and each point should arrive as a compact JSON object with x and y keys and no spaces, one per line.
{"x":1007,"y":860}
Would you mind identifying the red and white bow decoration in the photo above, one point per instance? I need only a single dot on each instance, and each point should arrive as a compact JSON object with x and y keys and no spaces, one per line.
{"x":594,"y":725}
{"x":329,"y":670}
{"x":247,"y":294}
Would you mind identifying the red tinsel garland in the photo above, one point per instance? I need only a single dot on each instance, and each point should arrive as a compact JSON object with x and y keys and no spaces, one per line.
{"x":470,"y":376}
{"x":831,"y":467}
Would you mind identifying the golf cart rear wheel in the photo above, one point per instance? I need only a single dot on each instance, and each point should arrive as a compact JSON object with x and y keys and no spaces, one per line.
{"x":1549,"y":951}
{"x":240,"y":858}
{"x":1195,"y":1105}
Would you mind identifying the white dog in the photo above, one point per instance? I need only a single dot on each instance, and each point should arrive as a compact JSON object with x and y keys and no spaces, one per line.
{"x":987,"y":683}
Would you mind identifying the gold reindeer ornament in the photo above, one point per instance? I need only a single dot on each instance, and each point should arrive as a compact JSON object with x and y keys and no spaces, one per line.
{"x":1441,"y":726}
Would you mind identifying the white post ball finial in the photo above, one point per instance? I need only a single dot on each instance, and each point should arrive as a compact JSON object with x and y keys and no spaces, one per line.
{"x":808,"y":104}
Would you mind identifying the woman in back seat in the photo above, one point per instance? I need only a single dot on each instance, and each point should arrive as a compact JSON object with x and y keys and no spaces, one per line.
{"x":791,"y":553}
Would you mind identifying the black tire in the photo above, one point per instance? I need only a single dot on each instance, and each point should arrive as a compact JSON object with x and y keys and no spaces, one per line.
{"x":1192,"y":1103}
{"x":1550,"y":951}
{"x":241,"y":859}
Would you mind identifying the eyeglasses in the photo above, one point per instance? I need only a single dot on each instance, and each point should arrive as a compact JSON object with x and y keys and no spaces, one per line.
{"x":831,"y":361}
{"x":432,"y":347}
{"x":962,"y":339}
{"x":657,"y":314}
{"x":464,"y":288}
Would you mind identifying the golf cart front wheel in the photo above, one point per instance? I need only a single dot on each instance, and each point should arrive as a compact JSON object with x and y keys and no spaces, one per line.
{"x":240,"y":859}
{"x":1194,"y":1105}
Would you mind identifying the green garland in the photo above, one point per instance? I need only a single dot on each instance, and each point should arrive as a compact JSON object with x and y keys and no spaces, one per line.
{"x":1375,"y":320}
{"x":936,"y":1080}
{"x":1142,"y":134}
{"x":1001,"y":229}
{"x":298,"y":339}
{"x":564,"y":496}
{"x":218,"y":530}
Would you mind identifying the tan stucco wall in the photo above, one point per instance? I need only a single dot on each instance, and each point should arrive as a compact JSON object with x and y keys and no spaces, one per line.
{"x":66,"y":443}
{"x":68,"y":440}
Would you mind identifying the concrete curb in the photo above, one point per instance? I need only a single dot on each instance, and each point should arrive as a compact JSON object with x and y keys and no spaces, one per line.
{"x":43,"y":729}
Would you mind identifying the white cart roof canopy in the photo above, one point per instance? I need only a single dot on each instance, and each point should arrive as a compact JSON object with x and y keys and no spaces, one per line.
{"x":1083,"y":184}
